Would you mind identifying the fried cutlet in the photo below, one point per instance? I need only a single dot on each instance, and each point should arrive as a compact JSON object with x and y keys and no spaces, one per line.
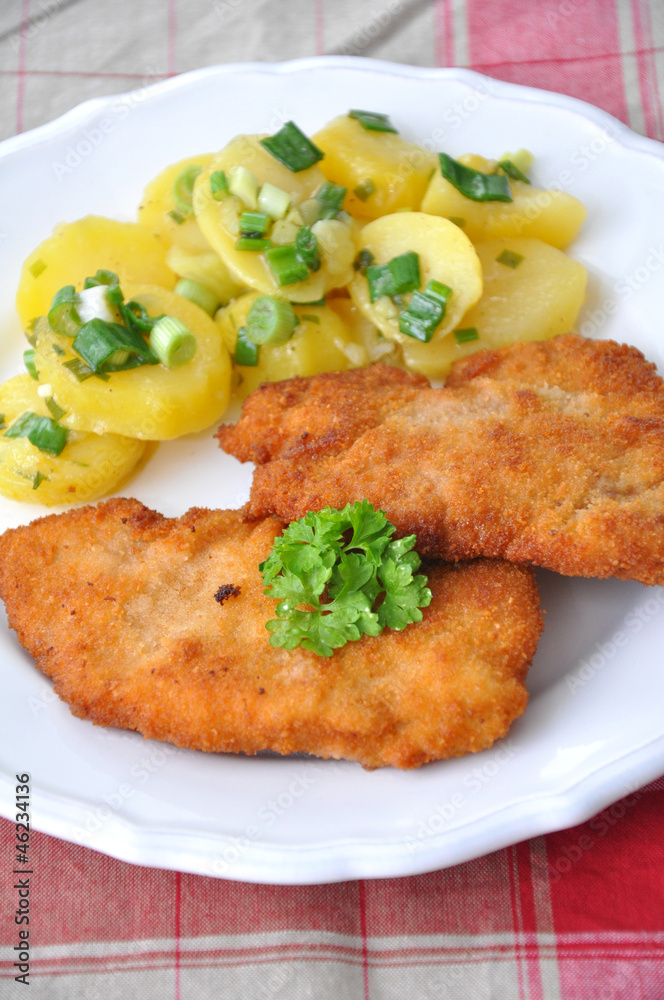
{"x":158,"y":625}
{"x":550,"y":453}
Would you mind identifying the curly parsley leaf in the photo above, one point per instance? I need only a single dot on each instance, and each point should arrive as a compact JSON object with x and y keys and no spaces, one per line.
{"x":337,"y":575}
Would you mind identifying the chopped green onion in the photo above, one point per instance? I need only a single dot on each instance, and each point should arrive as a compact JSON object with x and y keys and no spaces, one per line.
{"x":318,"y":302}
{"x":254,"y":243}
{"x":291,"y":147}
{"x":330,"y":198}
{"x":56,"y":411}
{"x":254,"y":223}
{"x":246,"y":352}
{"x":285,"y":265}
{"x":469,"y":333}
{"x":513,"y":171}
{"x":509,"y":258}
{"x":365,"y":189}
{"x":199,"y":294}
{"x":425,"y":311}
{"x":437,"y":290}
{"x":62,"y":316}
{"x":172,"y":342}
{"x":183,"y":189}
{"x":458,"y":221}
{"x":38,"y":480}
{"x":42,"y":432}
{"x":309,"y":318}
{"x":218,"y":185}
{"x":177,"y":217}
{"x":363,"y":260}
{"x":58,"y":350}
{"x":373,"y":121}
{"x":29,"y":362}
{"x":243,"y":184}
{"x":522,"y":159}
{"x":92,"y":303}
{"x":306,"y":247}
{"x":136,"y":317}
{"x":400,"y":275}
{"x":270,"y":321}
{"x":310,"y":211}
{"x":111,"y":347}
{"x":2,"y":420}
{"x":36,"y":268}
{"x":112,"y":283}
{"x":78,"y":367}
{"x":273,"y":201}
{"x":474,"y":184}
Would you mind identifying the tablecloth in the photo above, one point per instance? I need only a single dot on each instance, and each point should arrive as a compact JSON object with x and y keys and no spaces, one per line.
{"x":574,"y":915}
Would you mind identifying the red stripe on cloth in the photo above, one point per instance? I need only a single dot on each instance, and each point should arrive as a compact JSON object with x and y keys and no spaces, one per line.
{"x":172,"y":35}
{"x":365,"y":950}
{"x":178,"y":903}
{"x":444,"y":33}
{"x":529,"y":42}
{"x":320,"y":34}
{"x":647,"y":70}
{"x":516,"y":920}
{"x":76,"y":72}
{"x":23,"y":43}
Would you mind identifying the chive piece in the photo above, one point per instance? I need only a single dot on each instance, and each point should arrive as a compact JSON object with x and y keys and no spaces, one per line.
{"x":110,"y":347}
{"x":509,"y":258}
{"x":2,"y":420}
{"x":273,"y":201}
{"x":172,"y":342}
{"x":82,"y":371}
{"x":400,"y":275}
{"x":42,"y":432}
{"x":425,"y":312}
{"x":62,"y":316}
{"x":243,"y":184}
{"x":254,"y":223}
{"x":56,"y":411}
{"x":199,"y":294}
{"x":309,"y":318}
{"x":29,"y":362}
{"x":318,"y":302}
{"x":58,"y":350}
{"x":136,"y":316}
{"x":270,"y":321}
{"x":513,"y":171}
{"x":291,"y":147}
{"x":437,"y":290}
{"x":306,"y":248}
{"x":469,"y":333}
{"x":112,"y":283}
{"x":177,"y":217}
{"x":183,"y":189}
{"x":365,"y":189}
{"x":38,"y":480}
{"x":474,"y":184}
{"x":254,"y":243}
{"x":37,"y":268}
{"x":218,"y":185}
{"x":363,"y":260}
{"x":246,"y":352}
{"x":285,"y":265}
{"x":330,"y":198}
{"x":373,"y":121}
{"x":458,"y":221}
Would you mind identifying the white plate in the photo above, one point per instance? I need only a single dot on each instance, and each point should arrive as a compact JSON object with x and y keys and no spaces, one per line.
{"x":594,"y":729}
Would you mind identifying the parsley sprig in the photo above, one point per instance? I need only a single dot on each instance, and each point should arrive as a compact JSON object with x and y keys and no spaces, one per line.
{"x":353,"y":579}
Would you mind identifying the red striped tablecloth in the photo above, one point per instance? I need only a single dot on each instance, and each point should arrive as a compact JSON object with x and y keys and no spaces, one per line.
{"x":576,"y":915}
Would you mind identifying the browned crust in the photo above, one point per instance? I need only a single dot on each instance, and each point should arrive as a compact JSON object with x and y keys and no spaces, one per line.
{"x":118,"y":605}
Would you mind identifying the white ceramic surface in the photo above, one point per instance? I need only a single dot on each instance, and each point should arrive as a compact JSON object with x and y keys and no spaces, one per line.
{"x":594,"y":729}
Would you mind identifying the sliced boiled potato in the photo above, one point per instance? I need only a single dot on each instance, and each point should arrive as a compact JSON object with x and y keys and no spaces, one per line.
{"x":152,"y":402}
{"x":356,"y":158}
{"x":445,"y":254}
{"x":219,"y":221}
{"x":207,"y":269}
{"x":552,"y":216}
{"x":88,"y":466}
{"x":536,"y":298}
{"x":76,"y":250}
{"x":157,"y":203}
{"x":375,"y":345}
{"x":321,"y":342}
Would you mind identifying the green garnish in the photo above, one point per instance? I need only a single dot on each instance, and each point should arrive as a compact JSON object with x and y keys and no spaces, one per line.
{"x":42,"y":432}
{"x":246,"y":352}
{"x":330,"y":198}
{"x":273,"y":200}
{"x":243,"y":184}
{"x":199,"y":294}
{"x":399,"y":275}
{"x":58,"y":350}
{"x":252,"y":243}
{"x":56,"y":410}
{"x":509,"y":258}
{"x":218,"y":184}
{"x":306,"y":247}
{"x":112,"y":283}
{"x":309,"y":318}
{"x":270,"y":321}
{"x":474,"y":184}
{"x":177,"y":217}
{"x":373,"y":121}
{"x":366,"y":581}
{"x":291,"y":147}
{"x":513,"y":171}
{"x":2,"y":420}
{"x":78,"y":367}
{"x":36,"y":268}
{"x":183,"y":189}
{"x":254,"y":223}
{"x":172,"y":342}
{"x":467,"y":334}
{"x":363,"y":260}
{"x":365,"y":189}
{"x":110,"y":347}
{"x":62,"y":316}
{"x":425,"y":312}
{"x":29,"y":362}
{"x":38,"y":480}
{"x":285,"y":264}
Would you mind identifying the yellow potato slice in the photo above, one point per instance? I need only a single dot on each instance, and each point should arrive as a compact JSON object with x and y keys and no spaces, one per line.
{"x":88,"y":467}
{"x":537,"y":299}
{"x":398,"y":170}
{"x":321,"y":342}
{"x":552,"y":216}
{"x":445,"y":254}
{"x":152,"y":402}
{"x":76,"y":250}
{"x":157,"y":202}
{"x":219,"y":222}
{"x":375,"y":345}
{"x":207,"y":269}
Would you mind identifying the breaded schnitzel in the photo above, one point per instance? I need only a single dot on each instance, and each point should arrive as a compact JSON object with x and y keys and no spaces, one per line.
{"x":550,"y":453}
{"x":158,"y":625}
